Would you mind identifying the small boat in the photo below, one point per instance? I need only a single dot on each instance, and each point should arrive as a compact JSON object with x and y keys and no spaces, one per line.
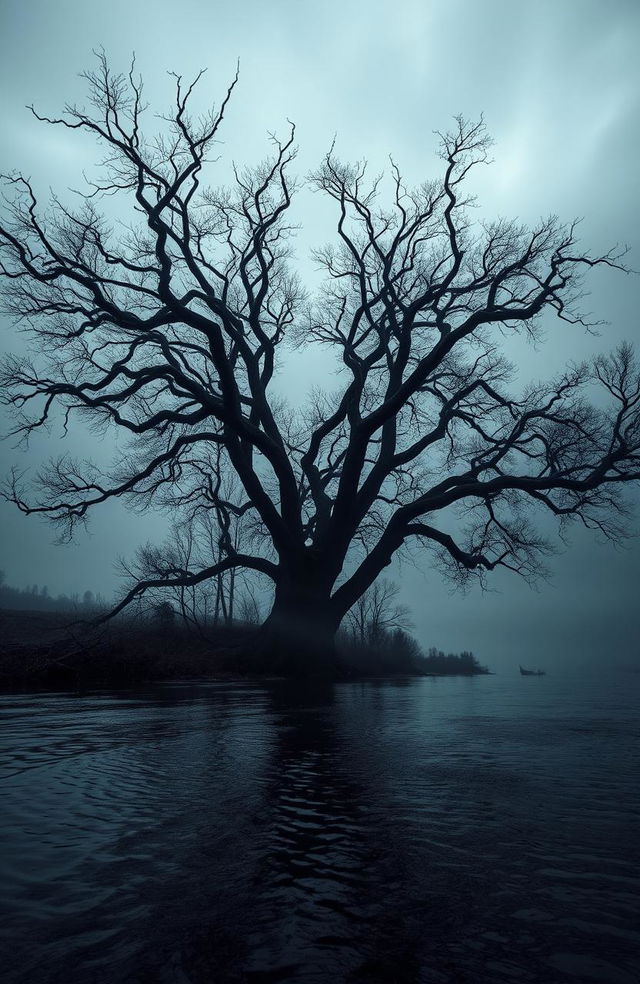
{"x":524,"y":672}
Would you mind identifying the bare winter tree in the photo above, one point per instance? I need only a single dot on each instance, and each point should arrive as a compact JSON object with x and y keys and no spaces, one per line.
{"x":171,"y":332}
{"x":204,"y":534}
{"x":377,"y":613}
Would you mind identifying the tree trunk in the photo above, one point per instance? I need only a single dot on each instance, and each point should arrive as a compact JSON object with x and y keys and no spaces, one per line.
{"x":298,"y":636}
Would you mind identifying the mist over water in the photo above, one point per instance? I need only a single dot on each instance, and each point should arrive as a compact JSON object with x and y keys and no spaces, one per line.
{"x":434,"y":830}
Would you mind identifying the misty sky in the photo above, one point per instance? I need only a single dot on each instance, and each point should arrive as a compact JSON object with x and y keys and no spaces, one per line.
{"x":559,"y":87}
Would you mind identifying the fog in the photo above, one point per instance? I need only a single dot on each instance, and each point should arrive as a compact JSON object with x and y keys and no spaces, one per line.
{"x":559,"y":88}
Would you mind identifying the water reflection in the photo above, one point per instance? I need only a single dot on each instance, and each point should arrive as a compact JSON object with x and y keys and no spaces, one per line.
{"x":325,"y":860}
{"x":425,"y":832}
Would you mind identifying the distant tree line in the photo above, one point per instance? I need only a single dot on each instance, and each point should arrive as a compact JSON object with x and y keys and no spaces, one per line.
{"x":398,"y":652}
{"x":37,"y":598}
{"x":374,"y":638}
{"x":459,"y":663}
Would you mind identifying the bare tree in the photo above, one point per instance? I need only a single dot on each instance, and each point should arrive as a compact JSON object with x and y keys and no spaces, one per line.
{"x":376,"y":613}
{"x":171,"y":332}
{"x":249,"y":608}
{"x":201,"y":535}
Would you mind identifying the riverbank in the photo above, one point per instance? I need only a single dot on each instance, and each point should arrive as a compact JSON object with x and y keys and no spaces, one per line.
{"x":58,"y":650}
{"x":54,"y":650}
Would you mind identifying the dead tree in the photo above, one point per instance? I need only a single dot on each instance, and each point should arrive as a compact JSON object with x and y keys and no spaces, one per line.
{"x":171,"y":330}
{"x":377,"y":613}
{"x":202,"y":534}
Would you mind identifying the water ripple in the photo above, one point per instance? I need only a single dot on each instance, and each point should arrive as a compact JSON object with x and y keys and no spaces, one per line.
{"x":441,"y":831}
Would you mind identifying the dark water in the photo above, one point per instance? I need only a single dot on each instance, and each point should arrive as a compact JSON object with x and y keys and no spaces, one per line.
{"x":461,"y":830}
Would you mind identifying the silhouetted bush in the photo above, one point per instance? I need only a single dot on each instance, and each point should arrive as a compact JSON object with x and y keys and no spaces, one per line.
{"x":464,"y":663}
{"x":398,"y":652}
{"x":164,"y":614}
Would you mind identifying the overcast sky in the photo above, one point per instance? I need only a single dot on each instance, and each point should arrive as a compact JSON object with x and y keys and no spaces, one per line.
{"x":559,"y":86}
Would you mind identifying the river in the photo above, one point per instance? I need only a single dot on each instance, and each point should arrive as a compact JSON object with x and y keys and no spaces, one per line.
{"x":433,"y":830}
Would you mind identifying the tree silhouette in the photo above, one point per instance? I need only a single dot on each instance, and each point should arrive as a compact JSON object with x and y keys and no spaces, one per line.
{"x":376,"y":613}
{"x":171,"y":330}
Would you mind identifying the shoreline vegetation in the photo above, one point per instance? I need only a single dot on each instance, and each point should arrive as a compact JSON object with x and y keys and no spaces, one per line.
{"x":59,"y":650}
